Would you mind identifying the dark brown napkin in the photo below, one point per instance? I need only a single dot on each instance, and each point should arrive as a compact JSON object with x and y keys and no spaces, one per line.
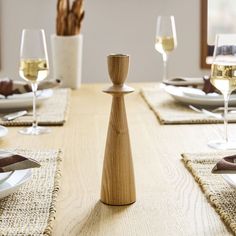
{"x":208,"y":87}
{"x":203,"y":83}
{"x":9,"y":87}
{"x":11,"y":161}
{"x":226,"y":165}
{"x":183,"y":81}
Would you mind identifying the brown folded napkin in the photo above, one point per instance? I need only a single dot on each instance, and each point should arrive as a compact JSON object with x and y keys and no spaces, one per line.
{"x":9,"y":87}
{"x":183,"y":81}
{"x":203,"y":83}
{"x":11,"y":161}
{"x":226,"y":165}
{"x":208,"y":87}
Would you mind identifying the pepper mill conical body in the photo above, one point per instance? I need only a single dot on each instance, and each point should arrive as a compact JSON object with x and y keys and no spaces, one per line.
{"x":118,"y":184}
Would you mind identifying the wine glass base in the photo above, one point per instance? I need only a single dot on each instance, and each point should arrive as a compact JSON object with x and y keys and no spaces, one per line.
{"x":223,"y":145}
{"x":35,"y":130}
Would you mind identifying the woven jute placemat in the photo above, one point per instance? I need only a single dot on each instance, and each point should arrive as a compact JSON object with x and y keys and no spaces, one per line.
{"x":221,"y":196}
{"x":53,"y":111}
{"x":31,"y":209}
{"x":169,"y":111}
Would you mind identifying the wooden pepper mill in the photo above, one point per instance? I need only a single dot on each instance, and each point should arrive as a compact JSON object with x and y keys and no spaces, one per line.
{"x":118,"y":184}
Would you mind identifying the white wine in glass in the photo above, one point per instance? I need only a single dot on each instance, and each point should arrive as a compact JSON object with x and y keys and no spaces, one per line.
{"x":223,"y":77}
{"x":33,"y":68}
{"x":166,"y":39}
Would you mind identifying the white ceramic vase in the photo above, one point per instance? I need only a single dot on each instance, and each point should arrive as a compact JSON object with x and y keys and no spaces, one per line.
{"x":67,"y":59}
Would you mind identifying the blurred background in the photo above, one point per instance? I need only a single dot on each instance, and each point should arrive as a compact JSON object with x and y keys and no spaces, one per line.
{"x":110,"y":26}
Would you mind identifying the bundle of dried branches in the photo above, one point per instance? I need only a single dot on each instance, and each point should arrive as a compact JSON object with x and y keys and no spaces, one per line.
{"x":69,"y":20}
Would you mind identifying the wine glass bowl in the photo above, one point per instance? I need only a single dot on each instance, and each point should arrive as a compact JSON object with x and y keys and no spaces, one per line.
{"x":223,"y":77}
{"x":33,"y":68}
{"x":166,"y":39}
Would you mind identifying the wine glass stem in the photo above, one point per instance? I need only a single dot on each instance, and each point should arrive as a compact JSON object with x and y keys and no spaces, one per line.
{"x":34,"y":87}
{"x":165,"y":59}
{"x":226,"y":104}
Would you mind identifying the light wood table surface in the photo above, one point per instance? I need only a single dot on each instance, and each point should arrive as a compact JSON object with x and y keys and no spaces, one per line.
{"x":169,"y":202}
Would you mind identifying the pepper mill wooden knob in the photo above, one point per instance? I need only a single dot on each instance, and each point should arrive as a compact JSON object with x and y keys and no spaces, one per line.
{"x":118,"y":184}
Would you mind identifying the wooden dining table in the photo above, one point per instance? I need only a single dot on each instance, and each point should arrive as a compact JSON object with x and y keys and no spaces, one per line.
{"x":169,"y":201}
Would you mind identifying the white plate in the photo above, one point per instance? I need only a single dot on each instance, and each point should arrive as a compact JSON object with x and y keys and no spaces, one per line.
{"x":3,"y":131}
{"x":24,"y":100}
{"x":230,"y":179}
{"x":5,"y":176}
{"x":14,"y":182}
{"x":198,"y":93}
{"x":183,"y":81}
{"x":190,"y":96}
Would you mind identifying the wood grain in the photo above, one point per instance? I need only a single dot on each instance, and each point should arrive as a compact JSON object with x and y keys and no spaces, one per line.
{"x":69,"y":19}
{"x":169,"y":202}
{"x":62,"y":14}
{"x":118,"y":184}
{"x":203,"y":35}
{"x":118,"y":66}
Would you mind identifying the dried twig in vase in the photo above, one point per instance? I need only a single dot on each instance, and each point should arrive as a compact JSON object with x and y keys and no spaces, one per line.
{"x":69,"y":21}
{"x":62,"y":13}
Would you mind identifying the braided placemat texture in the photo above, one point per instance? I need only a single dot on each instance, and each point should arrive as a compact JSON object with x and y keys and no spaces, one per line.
{"x":219,"y":193}
{"x":31,"y":210}
{"x":169,"y":111}
{"x":53,"y":111}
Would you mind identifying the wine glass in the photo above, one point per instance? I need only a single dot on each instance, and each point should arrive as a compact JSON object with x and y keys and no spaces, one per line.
{"x":166,"y":39}
{"x":223,"y":77}
{"x":33,"y":68}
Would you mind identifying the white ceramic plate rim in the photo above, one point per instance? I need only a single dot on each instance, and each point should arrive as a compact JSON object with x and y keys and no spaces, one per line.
{"x":230,"y":179}
{"x":198,"y":93}
{"x":24,"y":100}
{"x":5,"y":176}
{"x":3,"y":131}
{"x":177,"y":94}
{"x":13,"y":182}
